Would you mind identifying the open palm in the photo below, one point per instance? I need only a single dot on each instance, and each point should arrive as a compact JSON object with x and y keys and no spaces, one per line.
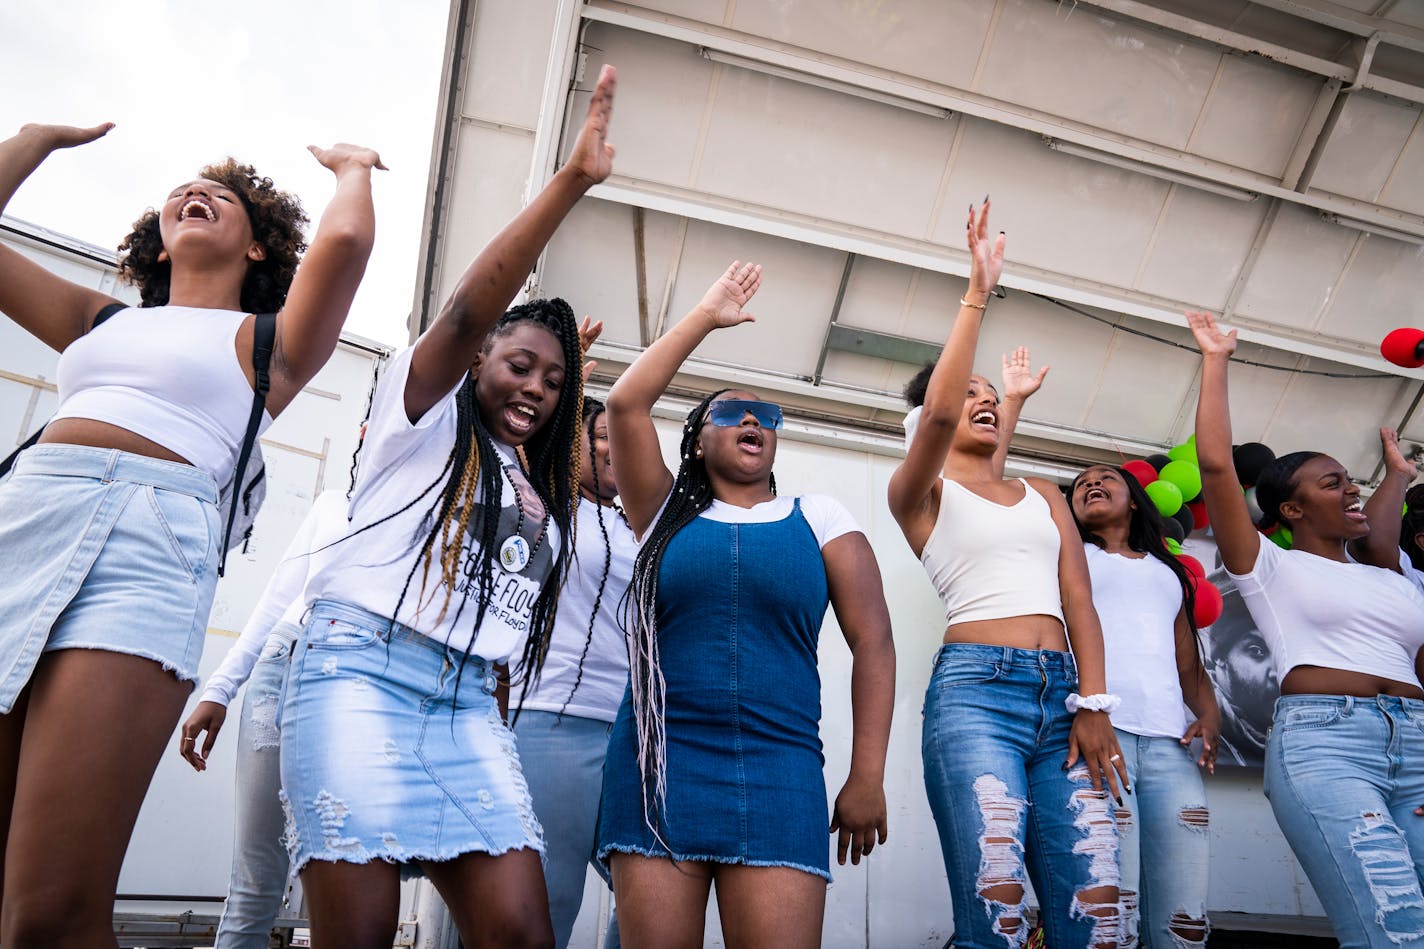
{"x":724,"y":300}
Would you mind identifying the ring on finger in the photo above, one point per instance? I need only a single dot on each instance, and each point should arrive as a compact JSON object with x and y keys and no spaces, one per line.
{"x":1115,"y":758}
{"x":187,"y":738}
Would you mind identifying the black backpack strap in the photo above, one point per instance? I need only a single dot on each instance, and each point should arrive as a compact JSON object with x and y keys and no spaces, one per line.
{"x":104,"y":313}
{"x":264,"y":336}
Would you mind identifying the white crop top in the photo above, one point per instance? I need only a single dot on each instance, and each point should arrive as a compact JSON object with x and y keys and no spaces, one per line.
{"x":991,"y":561}
{"x":1317,"y":612}
{"x":168,"y":373}
{"x":1138,"y":600}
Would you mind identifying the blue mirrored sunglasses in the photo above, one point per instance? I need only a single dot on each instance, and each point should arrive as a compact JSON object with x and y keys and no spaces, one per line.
{"x":729,"y":413}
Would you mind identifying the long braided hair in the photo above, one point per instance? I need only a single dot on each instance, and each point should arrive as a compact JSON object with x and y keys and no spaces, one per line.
{"x":473,"y":489}
{"x":592,"y":409}
{"x":691,"y":495}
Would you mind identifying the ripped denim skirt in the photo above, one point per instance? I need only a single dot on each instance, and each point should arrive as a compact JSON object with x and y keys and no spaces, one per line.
{"x":383,"y":758}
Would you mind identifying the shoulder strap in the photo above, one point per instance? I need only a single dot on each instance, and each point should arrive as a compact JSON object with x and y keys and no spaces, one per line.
{"x":264,"y":335}
{"x":104,"y":313}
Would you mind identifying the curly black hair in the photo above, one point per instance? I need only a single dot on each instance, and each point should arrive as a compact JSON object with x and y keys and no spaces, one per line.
{"x":277,"y":220}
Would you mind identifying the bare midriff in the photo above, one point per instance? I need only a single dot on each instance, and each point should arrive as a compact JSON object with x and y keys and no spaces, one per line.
{"x":94,"y":434}
{"x":1038,"y":631}
{"x":1319,"y":680}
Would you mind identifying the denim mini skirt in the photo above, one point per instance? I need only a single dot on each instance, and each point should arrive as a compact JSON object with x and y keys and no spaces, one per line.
{"x":103,"y":549}
{"x":384,"y":758}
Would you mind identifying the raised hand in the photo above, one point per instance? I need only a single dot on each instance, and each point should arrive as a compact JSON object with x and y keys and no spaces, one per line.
{"x":65,"y":136}
{"x":1394,"y":460}
{"x":1210,"y":339}
{"x":723,"y":301}
{"x":986,"y":255}
{"x":341,"y":156}
{"x":589,"y":331}
{"x":1020,"y":381}
{"x":592,"y":156}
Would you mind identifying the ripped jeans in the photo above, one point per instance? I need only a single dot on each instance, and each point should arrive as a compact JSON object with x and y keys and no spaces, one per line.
{"x":1165,"y":845}
{"x":1344,"y":775}
{"x":258,"y":880}
{"x":994,"y":743}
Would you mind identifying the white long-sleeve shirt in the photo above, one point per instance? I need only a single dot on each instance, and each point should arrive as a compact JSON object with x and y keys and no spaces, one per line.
{"x":283,"y":600}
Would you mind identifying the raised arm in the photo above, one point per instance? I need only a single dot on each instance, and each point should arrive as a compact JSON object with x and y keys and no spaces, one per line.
{"x":50,"y":308}
{"x":447,"y":349}
{"x":1020,"y":382}
{"x":1092,"y":737}
{"x":1236,"y":537}
{"x":912,"y":482}
{"x":1380,"y":547}
{"x":643,"y":477}
{"x":858,"y":597}
{"x":309,"y":324}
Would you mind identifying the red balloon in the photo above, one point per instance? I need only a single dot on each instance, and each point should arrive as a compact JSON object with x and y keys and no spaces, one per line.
{"x":1193,"y":565}
{"x":1402,"y":347}
{"x":1208,"y":604}
{"x":1142,"y":471}
{"x":1199,"y":518}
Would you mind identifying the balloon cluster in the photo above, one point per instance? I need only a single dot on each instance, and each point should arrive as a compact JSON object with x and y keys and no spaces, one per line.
{"x":1173,"y":482}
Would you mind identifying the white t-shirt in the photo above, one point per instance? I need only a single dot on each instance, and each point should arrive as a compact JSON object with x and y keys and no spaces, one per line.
{"x":605,"y":665}
{"x":390,"y":521}
{"x":827,"y":517}
{"x":1137,"y":601}
{"x":282,"y":600}
{"x":1317,"y":612}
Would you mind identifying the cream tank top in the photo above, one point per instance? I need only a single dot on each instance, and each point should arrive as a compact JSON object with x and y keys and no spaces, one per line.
{"x":992,"y":561}
{"x":168,"y":373}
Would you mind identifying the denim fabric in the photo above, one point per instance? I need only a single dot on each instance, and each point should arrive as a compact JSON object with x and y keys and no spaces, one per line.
{"x":1344,"y":775}
{"x":1165,"y":845}
{"x":994,"y":743}
{"x":562,"y":758}
{"x":383,"y":759}
{"x":104,"y":550}
{"x":258,"y":879}
{"x":739,"y":613}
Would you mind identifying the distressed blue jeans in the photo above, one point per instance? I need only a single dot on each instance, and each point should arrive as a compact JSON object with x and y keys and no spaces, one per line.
{"x":1165,"y":845}
{"x":258,"y":880}
{"x":994,"y":744}
{"x":1344,"y":775}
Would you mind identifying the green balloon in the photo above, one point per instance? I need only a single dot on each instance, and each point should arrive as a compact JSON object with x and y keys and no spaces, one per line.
{"x":1166,"y":495}
{"x":1187,"y":451}
{"x":1185,"y":475}
{"x":1283,"y":538}
{"x":1174,"y":546}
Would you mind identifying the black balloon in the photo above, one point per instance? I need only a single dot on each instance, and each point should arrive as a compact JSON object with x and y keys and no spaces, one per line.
{"x":1184,"y":519}
{"x":1250,"y":459}
{"x":1173,"y":527}
{"x":1158,"y":461}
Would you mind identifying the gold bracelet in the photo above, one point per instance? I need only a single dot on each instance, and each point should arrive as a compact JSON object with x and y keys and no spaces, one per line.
{"x":977,"y":306}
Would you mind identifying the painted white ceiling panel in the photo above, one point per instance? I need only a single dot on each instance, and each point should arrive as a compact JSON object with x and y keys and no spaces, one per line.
{"x":1065,"y":213}
{"x":487,"y":162}
{"x":1141,"y":388}
{"x":1255,"y":114}
{"x":1370,"y":133}
{"x":1340,"y":417}
{"x":771,"y":141}
{"x":704,"y":11}
{"x":1200,"y":247}
{"x":1379,"y":291}
{"x":1406,"y":184}
{"x":1070,"y":60}
{"x":1300,"y":265}
{"x":590,"y":263}
{"x":664,"y":84}
{"x":940,"y":41}
{"x":504,"y":82}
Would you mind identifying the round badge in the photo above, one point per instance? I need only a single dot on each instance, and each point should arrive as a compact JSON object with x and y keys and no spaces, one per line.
{"x":514,"y":553}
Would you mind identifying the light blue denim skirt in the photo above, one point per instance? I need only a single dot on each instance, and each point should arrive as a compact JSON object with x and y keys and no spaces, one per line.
{"x":384,"y":758}
{"x":103,"y":549}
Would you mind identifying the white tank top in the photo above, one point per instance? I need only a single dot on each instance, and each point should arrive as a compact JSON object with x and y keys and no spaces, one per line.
{"x":168,"y":373}
{"x":1138,"y":600}
{"x":991,"y":561}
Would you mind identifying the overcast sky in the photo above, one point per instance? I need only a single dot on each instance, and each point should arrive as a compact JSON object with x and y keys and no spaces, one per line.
{"x":191,"y":81}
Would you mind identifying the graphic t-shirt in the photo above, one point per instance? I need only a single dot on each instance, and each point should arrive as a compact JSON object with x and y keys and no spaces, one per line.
{"x":393,"y":511}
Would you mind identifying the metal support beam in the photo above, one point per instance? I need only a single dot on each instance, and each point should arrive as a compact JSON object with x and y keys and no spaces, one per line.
{"x":1346,"y":20}
{"x":1314,"y":137}
{"x":835,"y":315}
